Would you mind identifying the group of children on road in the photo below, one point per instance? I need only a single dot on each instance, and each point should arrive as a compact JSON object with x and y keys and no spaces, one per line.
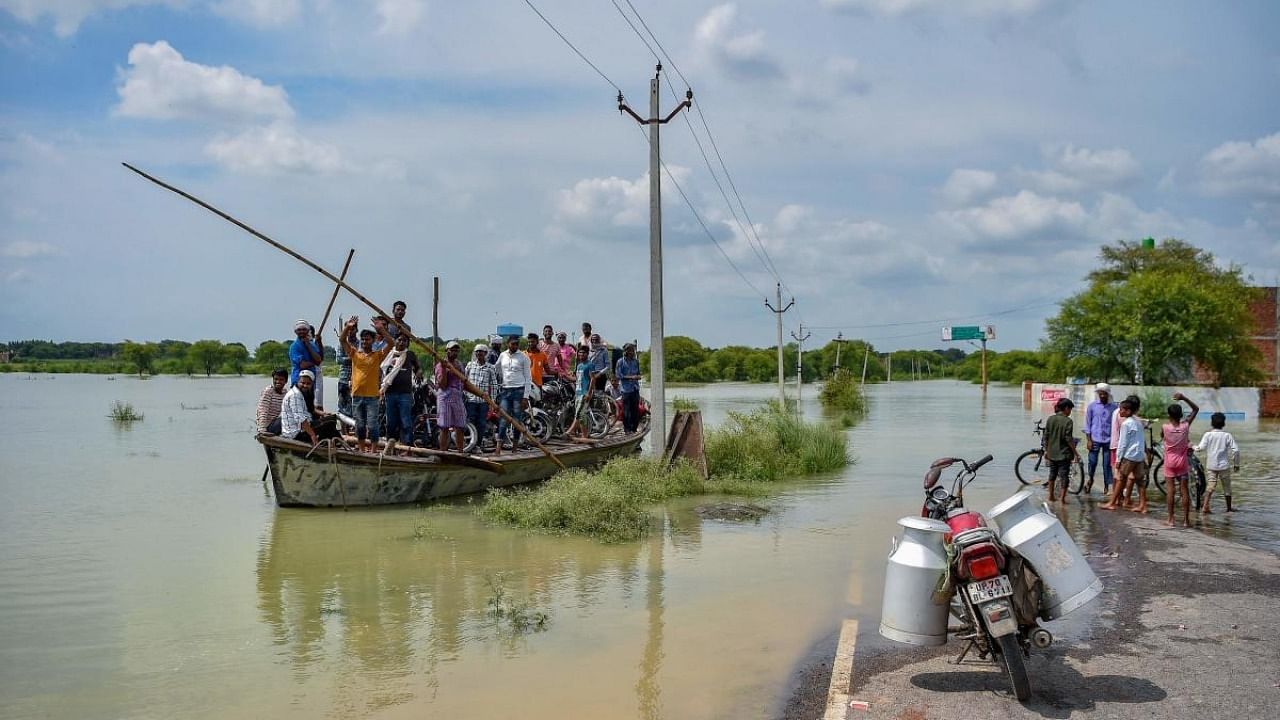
{"x":1116,"y":435}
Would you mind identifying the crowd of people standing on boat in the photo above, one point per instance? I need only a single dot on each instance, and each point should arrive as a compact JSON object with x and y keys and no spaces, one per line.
{"x":378,"y":375}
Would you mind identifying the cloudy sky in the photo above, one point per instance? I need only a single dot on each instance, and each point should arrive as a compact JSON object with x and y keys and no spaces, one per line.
{"x":899,"y":162}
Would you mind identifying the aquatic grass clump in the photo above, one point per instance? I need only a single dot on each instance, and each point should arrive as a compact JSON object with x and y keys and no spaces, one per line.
{"x":768,"y":445}
{"x":613,"y":504}
{"x":843,"y":392}
{"x":683,"y":404}
{"x":123,"y":413}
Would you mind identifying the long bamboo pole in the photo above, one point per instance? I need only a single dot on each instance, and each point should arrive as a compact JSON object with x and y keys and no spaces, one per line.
{"x":343,"y":284}
{"x":337,"y":287}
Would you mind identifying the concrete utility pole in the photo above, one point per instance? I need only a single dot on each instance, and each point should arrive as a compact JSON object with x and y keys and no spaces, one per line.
{"x":840,"y":341}
{"x":657,"y":359}
{"x":866,"y":352}
{"x":782,"y":387}
{"x":800,"y":367}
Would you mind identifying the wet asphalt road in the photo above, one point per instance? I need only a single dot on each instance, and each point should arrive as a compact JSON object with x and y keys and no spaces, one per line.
{"x":1188,"y":627}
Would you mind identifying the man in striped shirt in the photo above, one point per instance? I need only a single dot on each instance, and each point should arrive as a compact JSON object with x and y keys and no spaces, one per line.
{"x":269,"y":403}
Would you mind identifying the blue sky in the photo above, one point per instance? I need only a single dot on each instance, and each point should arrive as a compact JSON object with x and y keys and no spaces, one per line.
{"x":901,"y":161}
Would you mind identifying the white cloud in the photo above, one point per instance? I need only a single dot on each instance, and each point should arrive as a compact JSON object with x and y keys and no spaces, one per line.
{"x":1104,"y":168}
{"x":273,"y":150}
{"x":160,"y":84}
{"x":400,"y":16}
{"x":15,"y":277}
{"x":67,"y":15}
{"x":260,"y":13}
{"x":977,"y":8}
{"x":965,"y":186}
{"x":608,"y":207}
{"x":1016,"y":217}
{"x":1250,"y":169}
{"x":29,"y":249}
{"x":742,"y":54}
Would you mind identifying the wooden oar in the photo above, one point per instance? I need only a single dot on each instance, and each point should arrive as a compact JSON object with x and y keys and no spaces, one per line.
{"x":449,"y":367}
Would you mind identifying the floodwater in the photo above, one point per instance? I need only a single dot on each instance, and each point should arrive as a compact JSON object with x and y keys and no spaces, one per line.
{"x":145,"y":573}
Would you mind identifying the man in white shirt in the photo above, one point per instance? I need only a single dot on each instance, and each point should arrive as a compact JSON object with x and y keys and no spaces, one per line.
{"x":1220,"y":453}
{"x":295,"y":417}
{"x":517,"y":383}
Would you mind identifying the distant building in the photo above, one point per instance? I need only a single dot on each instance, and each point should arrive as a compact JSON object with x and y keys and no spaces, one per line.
{"x":4,"y":356}
{"x":1266,"y":313}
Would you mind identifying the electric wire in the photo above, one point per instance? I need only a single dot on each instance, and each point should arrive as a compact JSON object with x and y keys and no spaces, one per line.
{"x":997,"y":313}
{"x":572,"y":46}
{"x":749,"y":232}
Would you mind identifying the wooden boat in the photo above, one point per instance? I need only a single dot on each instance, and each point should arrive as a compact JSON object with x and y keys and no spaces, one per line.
{"x":303,"y":476}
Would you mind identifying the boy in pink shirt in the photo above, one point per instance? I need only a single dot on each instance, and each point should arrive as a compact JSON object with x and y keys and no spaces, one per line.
{"x":1177,"y":445}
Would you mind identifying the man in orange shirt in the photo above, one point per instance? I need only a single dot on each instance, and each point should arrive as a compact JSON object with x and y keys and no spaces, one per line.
{"x":365,"y":379}
{"x":538,"y":364}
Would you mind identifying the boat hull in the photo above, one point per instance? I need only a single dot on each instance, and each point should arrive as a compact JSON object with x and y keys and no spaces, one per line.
{"x":301,"y":477}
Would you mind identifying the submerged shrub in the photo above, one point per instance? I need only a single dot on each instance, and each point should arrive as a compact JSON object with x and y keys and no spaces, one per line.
{"x":123,"y":412}
{"x":612,"y":504}
{"x":843,"y":392}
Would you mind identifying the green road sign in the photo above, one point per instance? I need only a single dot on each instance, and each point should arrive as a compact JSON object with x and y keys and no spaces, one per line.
{"x":968,"y":332}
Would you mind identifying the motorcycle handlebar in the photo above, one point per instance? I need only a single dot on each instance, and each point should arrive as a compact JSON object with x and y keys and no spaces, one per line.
{"x":974,"y":467}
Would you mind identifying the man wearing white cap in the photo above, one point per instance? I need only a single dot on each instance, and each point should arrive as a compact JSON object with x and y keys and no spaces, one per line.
{"x":306,"y":353}
{"x":1097,"y":434}
{"x":295,"y":417}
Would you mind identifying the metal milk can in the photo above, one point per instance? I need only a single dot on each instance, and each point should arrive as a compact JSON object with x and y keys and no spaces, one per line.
{"x":915,"y":605}
{"x":1041,"y":540}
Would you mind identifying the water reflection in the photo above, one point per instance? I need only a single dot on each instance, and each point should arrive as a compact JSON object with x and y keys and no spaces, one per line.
{"x":357,"y":599}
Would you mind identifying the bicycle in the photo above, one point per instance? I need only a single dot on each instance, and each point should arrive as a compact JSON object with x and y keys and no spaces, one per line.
{"x":1156,"y":463}
{"x":1032,"y":468}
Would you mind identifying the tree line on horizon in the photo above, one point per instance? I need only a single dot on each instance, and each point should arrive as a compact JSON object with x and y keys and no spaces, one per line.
{"x":1155,"y":311}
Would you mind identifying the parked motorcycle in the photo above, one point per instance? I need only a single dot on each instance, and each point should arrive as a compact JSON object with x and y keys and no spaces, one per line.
{"x":996,"y":575}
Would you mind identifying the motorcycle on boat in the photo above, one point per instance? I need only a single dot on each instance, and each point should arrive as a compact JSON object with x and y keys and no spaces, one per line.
{"x":996,"y":575}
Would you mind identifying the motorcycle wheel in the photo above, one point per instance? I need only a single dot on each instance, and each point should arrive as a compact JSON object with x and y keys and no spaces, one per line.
{"x":1031,"y":468}
{"x":539,"y":424}
{"x":472,"y":437}
{"x":1015,"y":667}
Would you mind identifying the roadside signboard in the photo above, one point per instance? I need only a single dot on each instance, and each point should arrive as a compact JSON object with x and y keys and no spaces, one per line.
{"x":968,"y":332}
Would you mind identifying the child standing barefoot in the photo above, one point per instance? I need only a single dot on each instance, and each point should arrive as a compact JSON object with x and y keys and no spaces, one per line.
{"x":1177,"y":441}
{"x":1221,"y":452}
{"x":1131,"y":449}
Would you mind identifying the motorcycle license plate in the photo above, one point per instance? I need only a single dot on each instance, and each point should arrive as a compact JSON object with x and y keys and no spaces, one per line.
{"x":984,"y":590}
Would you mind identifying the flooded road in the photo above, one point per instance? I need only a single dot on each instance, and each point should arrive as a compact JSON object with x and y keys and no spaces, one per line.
{"x":145,"y":573}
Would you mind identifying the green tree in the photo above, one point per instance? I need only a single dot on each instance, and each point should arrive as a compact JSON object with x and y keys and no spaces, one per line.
{"x":206,"y":355}
{"x":236,"y":355}
{"x":1152,"y":312}
{"x":140,"y":356}
{"x":270,"y":355}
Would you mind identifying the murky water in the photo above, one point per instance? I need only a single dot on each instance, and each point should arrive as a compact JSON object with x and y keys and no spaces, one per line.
{"x":144,"y":573}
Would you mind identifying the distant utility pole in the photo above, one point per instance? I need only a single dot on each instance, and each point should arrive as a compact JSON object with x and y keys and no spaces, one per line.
{"x":782,"y":387}
{"x":866,"y":352}
{"x":657,"y":359}
{"x":800,"y":366}
{"x":840,"y":341}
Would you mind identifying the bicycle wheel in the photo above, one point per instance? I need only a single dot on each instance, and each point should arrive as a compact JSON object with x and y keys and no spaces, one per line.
{"x":1075,"y":476}
{"x":1031,"y":468}
{"x":1197,"y":470}
{"x":597,"y":423}
{"x":1157,"y":477}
